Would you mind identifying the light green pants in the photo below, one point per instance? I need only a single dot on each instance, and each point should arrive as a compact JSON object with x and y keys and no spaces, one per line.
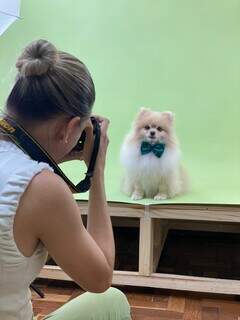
{"x":110,"y":305}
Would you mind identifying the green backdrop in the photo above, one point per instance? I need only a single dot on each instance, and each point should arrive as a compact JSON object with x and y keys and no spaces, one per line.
{"x":174,"y":55}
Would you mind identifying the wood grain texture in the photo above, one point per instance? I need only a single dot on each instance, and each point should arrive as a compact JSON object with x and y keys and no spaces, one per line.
{"x":147,"y":304}
{"x":220,"y":213}
{"x":159,"y":280}
{"x":146,"y":246}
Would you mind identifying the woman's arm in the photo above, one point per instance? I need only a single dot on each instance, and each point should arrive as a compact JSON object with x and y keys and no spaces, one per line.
{"x":99,"y":223}
{"x":50,"y":213}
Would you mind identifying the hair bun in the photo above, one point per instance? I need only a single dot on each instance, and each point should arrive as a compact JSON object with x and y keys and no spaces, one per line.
{"x":37,"y":58}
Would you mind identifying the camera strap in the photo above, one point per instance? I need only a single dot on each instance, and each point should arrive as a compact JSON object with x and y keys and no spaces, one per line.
{"x":29,"y":145}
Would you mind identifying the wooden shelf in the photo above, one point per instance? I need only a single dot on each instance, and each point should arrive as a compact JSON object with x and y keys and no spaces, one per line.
{"x":159,"y":280}
{"x":197,"y":213}
{"x":118,"y":210}
{"x":154,"y":223}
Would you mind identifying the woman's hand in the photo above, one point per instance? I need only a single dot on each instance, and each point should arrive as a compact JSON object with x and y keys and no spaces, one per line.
{"x":85,"y":154}
{"x":104,"y":141}
{"x":88,"y":145}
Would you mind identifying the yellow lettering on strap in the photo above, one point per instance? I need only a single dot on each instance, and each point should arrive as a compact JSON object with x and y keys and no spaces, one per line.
{"x":4,"y":124}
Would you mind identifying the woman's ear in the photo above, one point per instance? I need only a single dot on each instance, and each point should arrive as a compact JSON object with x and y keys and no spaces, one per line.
{"x":72,"y":128}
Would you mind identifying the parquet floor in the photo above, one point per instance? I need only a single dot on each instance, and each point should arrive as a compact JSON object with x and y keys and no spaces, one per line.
{"x":148,"y":304}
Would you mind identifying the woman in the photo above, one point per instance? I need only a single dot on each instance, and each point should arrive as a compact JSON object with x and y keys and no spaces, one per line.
{"x":52,"y":99}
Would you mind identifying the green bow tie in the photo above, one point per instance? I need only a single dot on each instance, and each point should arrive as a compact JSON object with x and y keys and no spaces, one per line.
{"x":157,"y":148}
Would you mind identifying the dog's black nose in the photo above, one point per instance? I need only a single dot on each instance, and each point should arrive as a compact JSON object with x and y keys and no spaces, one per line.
{"x":152,"y":133}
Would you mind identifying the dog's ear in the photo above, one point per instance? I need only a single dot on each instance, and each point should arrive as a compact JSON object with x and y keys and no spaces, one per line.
{"x":169,"y":116}
{"x":143,"y":111}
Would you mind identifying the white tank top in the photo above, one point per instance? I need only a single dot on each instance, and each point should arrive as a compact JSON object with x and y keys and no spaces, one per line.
{"x":16,"y":271}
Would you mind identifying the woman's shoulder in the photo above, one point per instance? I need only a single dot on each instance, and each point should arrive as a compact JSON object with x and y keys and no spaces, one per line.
{"x":46,"y":199}
{"x":48,"y":184}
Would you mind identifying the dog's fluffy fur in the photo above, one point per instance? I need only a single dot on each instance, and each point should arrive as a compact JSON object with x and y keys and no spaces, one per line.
{"x":146,"y":175}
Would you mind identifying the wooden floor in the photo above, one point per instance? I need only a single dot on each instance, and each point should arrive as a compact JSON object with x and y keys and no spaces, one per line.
{"x":147,"y":304}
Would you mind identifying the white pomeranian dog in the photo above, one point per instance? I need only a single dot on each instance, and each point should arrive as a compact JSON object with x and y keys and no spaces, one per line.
{"x":151,"y":157}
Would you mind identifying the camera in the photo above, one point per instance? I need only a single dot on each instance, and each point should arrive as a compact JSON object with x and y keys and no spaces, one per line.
{"x":80,"y":144}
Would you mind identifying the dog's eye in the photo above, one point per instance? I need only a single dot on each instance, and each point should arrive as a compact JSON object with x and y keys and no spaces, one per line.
{"x":159,"y":129}
{"x":146,"y":127}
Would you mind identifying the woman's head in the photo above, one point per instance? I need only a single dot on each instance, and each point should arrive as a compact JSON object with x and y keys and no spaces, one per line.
{"x":50,"y":84}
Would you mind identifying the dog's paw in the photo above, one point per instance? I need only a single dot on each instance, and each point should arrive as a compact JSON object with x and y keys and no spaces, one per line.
{"x":160,"y":196}
{"x":137,"y":195}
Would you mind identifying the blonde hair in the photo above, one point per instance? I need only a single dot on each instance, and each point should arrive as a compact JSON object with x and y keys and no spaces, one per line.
{"x":49,"y":83}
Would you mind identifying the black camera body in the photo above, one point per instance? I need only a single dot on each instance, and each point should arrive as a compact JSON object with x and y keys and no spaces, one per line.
{"x":80,"y":144}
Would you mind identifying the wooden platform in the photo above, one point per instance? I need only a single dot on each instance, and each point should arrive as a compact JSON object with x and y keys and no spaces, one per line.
{"x":148,"y":304}
{"x":154,"y":222}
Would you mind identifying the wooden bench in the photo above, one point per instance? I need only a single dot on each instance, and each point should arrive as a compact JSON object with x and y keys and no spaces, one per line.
{"x":154,"y":222}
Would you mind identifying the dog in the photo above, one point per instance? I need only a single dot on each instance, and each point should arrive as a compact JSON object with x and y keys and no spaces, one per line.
{"x":151,"y":157}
